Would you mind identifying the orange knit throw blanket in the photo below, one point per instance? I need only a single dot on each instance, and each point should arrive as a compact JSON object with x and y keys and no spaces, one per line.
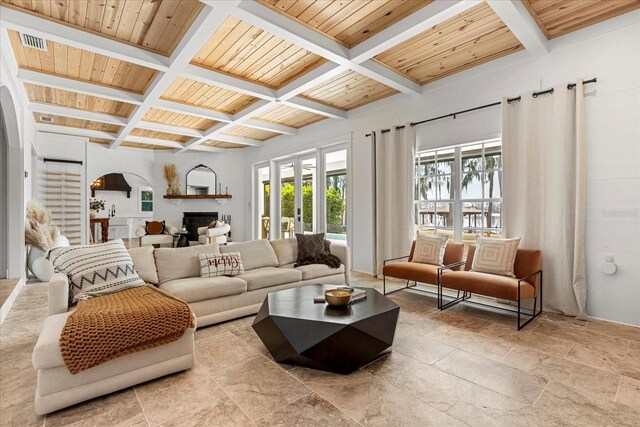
{"x":110,"y":326}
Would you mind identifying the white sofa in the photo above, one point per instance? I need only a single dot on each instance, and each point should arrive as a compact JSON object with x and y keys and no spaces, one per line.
{"x":268,"y":268}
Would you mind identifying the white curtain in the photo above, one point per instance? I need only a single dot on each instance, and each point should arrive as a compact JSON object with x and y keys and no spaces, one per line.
{"x":545,"y":187}
{"x":393,"y":188}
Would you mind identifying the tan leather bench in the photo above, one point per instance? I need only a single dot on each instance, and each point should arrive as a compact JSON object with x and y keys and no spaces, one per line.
{"x":526,"y":285}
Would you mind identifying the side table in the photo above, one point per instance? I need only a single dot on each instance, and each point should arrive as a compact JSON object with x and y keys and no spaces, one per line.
{"x":181,"y":239}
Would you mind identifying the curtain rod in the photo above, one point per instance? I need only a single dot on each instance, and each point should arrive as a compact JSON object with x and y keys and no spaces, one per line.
{"x":75,"y":162}
{"x":493,"y":104}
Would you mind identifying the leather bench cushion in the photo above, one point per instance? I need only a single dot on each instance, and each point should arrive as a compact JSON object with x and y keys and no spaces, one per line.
{"x":424,"y":273}
{"x":486,"y":284}
{"x":315,"y":271}
{"x":194,"y":289}
{"x":265,"y":277}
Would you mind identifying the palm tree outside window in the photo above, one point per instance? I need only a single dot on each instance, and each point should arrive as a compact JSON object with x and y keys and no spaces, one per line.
{"x":458,"y":191}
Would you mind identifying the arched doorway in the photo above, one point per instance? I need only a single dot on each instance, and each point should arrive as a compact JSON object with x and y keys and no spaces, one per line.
{"x":11,"y":197}
{"x":125,"y":201}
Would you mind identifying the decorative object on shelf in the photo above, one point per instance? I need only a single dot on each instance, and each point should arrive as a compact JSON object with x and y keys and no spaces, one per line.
{"x":170,"y":173}
{"x":201,"y":180}
{"x":95,"y":206}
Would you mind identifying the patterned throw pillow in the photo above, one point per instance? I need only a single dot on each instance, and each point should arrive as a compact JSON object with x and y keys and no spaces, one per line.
{"x":95,"y":270}
{"x":495,"y":256}
{"x":310,"y":245}
{"x":429,"y":249}
{"x":213,"y":265}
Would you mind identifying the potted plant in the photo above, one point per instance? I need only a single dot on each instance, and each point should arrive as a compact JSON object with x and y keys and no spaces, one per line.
{"x":95,"y":206}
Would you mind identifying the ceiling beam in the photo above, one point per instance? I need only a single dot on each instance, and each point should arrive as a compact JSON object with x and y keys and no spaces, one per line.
{"x":316,"y":107}
{"x":516,"y":16}
{"x":270,"y":126}
{"x":310,"y":80}
{"x":152,"y":141}
{"x":74,"y":37}
{"x":418,"y":22}
{"x":74,"y":113}
{"x":180,"y":108}
{"x":67,"y":130}
{"x":208,"y":149}
{"x":71,"y":85}
{"x":273,"y":22}
{"x":192,"y":41}
{"x":225,"y":81}
{"x":176,"y":130}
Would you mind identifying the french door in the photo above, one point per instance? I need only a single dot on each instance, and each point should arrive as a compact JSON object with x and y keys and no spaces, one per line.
{"x":297,"y":205}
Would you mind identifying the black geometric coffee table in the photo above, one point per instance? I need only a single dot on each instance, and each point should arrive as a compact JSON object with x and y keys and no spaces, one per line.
{"x":298,"y":331}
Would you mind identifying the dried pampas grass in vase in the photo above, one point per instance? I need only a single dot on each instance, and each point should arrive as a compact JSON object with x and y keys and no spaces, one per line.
{"x":39,"y":230}
{"x":170,"y":175}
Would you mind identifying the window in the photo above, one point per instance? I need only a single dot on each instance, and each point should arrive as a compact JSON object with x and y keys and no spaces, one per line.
{"x":336,"y":194}
{"x":458,"y":191}
{"x":146,"y":200}
{"x":263,"y":202}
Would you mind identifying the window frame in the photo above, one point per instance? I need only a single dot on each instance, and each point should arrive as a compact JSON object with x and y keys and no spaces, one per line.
{"x":457,"y":203}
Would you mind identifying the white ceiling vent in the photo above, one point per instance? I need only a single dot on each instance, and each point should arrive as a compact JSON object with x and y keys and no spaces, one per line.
{"x":33,"y":42}
{"x":46,"y":119}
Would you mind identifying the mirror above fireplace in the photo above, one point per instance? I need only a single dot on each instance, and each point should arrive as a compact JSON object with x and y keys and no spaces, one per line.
{"x":201,"y":181}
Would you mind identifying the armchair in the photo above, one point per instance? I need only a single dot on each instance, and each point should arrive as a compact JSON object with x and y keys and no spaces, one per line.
{"x":218,"y":234}
{"x":156,"y":239}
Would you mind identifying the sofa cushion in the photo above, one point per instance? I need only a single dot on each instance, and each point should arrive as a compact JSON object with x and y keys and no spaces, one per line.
{"x":213,"y":265}
{"x":314,"y":271}
{"x":254,"y":253}
{"x":491,"y":285}
{"x":265,"y":277}
{"x":179,"y":263}
{"x":145,"y":263}
{"x":194,"y":289}
{"x":286,"y":250}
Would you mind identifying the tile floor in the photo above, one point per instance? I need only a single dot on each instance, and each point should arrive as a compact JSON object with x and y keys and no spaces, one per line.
{"x":463,"y":366}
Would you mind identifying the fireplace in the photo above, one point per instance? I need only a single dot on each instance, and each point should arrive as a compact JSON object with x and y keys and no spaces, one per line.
{"x":193,"y":220}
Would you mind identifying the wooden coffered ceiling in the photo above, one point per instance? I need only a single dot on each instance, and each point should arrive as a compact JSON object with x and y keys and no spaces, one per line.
{"x":218,"y":75}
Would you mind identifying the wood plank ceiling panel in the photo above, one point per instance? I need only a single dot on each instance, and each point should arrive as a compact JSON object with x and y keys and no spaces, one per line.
{"x":247,"y":52}
{"x":145,"y":146}
{"x":75,"y":123}
{"x":349,"y":90}
{"x":290,"y":116}
{"x":77,"y":100}
{"x":78,"y":64}
{"x":349,"y":22}
{"x":247,"y":132}
{"x":464,"y":41}
{"x":156,"y":115}
{"x":222,"y":144}
{"x":156,"y":25}
{"x":102,"y":141}
{"x":199,"y":94}
{"x":159,"y":135}
{"x":558,"y":17}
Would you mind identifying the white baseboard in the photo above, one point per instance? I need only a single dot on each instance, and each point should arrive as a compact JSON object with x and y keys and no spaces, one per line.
{"x":4,"y":310}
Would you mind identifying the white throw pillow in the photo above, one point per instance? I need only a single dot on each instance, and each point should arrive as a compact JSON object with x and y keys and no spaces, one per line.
{"x":95,"y":270}
{"x":495,"y":256}
{"x":429,"y":249}
{"x":213,"y":265}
